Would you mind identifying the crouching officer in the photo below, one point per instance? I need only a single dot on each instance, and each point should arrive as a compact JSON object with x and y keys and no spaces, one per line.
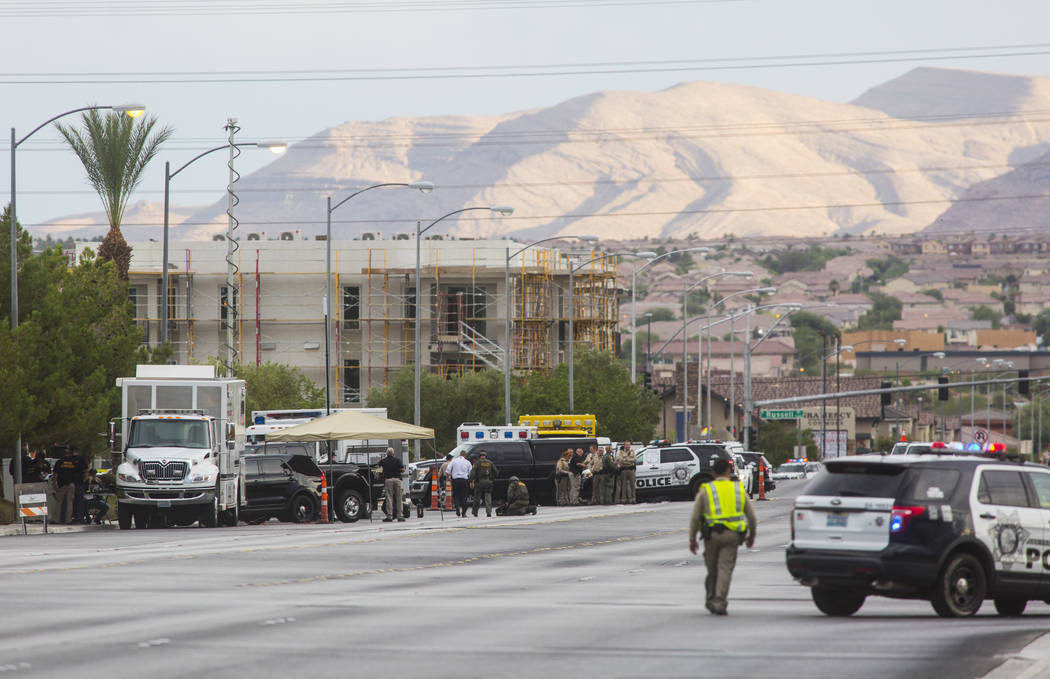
{"x":517,"y":503}
{"x":726,"y":519}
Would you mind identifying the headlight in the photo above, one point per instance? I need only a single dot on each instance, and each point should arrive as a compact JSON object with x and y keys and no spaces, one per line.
{"x":421,"y":474}
{"x":128,"y":477}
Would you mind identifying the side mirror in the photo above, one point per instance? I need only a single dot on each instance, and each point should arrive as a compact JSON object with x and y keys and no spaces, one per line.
{"x":114,"y":438}
{"x":231,"y":434}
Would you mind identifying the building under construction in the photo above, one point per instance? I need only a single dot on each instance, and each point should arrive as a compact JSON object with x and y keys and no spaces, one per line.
{"x":273,"y":306}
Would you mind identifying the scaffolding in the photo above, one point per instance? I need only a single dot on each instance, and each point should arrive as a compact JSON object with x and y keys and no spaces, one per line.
{"x":595,"y":304}
{"x":532,"y":312}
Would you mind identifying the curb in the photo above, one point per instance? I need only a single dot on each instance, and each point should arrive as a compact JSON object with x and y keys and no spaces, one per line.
{"x":1031,"y":662}
{"x":36,"y":528}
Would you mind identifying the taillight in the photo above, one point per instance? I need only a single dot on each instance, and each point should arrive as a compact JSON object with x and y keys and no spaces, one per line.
{"x":902,"y":516}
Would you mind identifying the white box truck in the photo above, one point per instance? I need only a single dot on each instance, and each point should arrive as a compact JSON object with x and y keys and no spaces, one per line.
{"x":180,"y":437}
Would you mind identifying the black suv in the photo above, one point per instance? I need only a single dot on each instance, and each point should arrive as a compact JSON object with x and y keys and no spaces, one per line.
{"x":282,"y":485}
{"x":950,"y":529}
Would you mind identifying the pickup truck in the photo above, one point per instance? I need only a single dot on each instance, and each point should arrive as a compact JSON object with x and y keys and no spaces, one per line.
{"x":531,"y":460}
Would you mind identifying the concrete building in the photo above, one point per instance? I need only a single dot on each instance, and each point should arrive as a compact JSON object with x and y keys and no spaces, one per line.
{"x":276,"y":311}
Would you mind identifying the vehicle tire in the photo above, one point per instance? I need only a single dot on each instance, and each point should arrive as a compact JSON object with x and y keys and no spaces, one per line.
{"x":694,"y":485}
{"x":960,"y":589}
{"x":1010,"y":606}
{"x":231,"y":517}
{"x":350,"y":506}
{"x":124,"y":515}
{"x":837,"y":602}
{"x":209,"y":516}
{"x":301,"y":509}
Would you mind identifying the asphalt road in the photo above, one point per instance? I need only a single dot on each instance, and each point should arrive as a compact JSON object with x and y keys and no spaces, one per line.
{"x":587,"y":592}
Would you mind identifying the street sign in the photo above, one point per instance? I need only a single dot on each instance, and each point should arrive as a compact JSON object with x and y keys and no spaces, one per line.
{"x":981,"y":436}
{"x":781,"y":414}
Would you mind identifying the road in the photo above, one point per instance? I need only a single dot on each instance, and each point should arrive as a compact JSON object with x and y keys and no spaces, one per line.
{"x":581,"y":591}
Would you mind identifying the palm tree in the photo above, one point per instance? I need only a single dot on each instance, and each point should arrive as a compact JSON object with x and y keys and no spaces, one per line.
{"x":115,"y":151}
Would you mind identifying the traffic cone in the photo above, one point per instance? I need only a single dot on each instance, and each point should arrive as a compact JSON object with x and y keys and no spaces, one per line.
{"x":324,"y":499}
{"x":433,"y":490}
{"x":762,"y":482}
{"x":448,"y":495}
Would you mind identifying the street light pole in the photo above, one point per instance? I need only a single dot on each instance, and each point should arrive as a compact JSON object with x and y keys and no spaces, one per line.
{"x":275,"y":146}
{"x":508,"y":361}
{"x":423,"y":187}
{"x":653,"y":258}
{"x":502,"y":210}
{"x":132,"y":110}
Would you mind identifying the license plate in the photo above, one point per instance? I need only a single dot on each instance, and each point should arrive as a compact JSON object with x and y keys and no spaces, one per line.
{"x":837,"y":520}
{"x":166,"y":504}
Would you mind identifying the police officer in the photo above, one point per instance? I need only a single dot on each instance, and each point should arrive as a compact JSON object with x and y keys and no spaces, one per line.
{"x":517,"y":500}
{"x":608,"y":477}
{"x":625,"y":462}
{"x":576,"y":466}
{"x":482,"y":476}
{"x":69,"y":471}
{"x":725,"y":518}
{"x":593,"y":462}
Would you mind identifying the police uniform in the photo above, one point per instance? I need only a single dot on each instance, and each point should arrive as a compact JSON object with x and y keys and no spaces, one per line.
{"x":625,"y":461}
{"x":608,"y":477}
{"x":594,"y":463}
{"x":483,"y":475}
{"x":725,"y":517}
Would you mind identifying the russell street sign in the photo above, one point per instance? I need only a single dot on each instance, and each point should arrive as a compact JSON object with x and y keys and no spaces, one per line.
{"x":781,"y":414}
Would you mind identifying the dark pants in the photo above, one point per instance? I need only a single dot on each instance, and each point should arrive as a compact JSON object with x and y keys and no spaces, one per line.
{"x":65,"y":506}
{"x":79,"y":503}
{"x":460,"y":492}
{"x":483,"y":493}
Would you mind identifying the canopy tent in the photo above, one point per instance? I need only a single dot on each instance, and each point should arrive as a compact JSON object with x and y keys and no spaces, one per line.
{"x":350,"y":424}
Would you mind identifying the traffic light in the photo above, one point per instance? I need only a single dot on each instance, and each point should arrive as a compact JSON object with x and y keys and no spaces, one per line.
{"x":942,"y":392}
{"x":648,"y":379}
{"x":887,"y":396}
{"x":1024,"y":387}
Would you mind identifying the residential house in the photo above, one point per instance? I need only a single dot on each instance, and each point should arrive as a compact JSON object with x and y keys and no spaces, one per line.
{"x":906,"y":247}
{"x":1030,"y":304}
{"x":960,"y":247}
{"x":964,"y":333}
{"x":933,"y":247}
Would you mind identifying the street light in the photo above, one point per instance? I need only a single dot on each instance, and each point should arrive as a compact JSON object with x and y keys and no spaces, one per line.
{"x":572,"y":290}
{"x":274,"y":146}
{"x":503,"y":211}
{"x":132,"y":111}
{"x":634,"y":274}
{"x":508,"y":364}
{"x":423,"y":187}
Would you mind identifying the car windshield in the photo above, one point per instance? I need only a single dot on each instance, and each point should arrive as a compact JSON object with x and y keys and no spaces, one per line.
{"x":169,"y":432}
{"x":790,"y":467}
{"x":857,"y":479}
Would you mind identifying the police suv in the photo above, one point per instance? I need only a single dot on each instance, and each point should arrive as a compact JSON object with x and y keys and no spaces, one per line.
{"x":953,"y":529}
{"x":670,"y":469}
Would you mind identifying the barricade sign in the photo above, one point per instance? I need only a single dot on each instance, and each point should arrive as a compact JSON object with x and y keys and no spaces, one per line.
{"x":31,"y":503}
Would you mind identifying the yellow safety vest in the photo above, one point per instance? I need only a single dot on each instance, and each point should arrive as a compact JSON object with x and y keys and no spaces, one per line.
{"x":725,"y":504}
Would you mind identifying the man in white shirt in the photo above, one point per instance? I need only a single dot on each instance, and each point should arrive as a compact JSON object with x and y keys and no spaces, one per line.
{"x":459,"y":471}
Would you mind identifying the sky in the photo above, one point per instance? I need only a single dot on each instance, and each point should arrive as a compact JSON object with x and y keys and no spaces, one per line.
{"x":288,"y":69}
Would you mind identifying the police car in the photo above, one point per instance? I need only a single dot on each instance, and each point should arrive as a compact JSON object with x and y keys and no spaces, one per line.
{"x":678,"y":469}
{"x":948,"y":528}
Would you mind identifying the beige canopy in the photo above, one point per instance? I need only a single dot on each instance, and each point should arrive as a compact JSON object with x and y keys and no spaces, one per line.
{"x":350,"y":424}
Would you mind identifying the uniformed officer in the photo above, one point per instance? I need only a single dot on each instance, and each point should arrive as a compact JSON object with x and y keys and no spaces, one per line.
{"x":625,"y":462}
{"x":608,"y":477}
{"x":725,"y":518}
{"x":594,"y":464}
{"x":517,"y":500}
{"x":482,"y":476}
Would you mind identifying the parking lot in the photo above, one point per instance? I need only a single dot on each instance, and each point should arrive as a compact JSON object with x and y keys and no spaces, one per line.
{"x":574,"y":591}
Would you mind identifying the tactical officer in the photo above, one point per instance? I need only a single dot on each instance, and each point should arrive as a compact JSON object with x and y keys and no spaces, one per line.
{"x":69,"y":471}
{"x":517,"y":500}
{"x":482,"y":476}
{"x":725,"y":518}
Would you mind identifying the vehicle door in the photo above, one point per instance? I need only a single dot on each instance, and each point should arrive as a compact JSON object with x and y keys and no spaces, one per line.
{"x":512,"y":458}
{"x":666,"y":470}
{"x":274,"y":481}
{"x":1039,"y":480}
{"x":1010,"y":522}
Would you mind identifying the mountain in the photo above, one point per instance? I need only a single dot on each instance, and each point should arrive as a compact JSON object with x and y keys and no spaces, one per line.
{"x":698,"y":158}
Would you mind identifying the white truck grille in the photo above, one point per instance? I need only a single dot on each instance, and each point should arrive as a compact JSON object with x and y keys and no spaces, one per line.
{"x":164,"y":471}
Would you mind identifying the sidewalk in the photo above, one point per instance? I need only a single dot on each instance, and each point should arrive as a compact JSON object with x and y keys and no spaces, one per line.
{"x":37,"y":528}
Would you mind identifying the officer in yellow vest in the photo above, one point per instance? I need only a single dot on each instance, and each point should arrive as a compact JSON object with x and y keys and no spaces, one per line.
{"x":725,"y":518}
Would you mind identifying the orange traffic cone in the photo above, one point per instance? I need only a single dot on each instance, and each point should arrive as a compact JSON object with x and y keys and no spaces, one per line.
{"x":762,"y":482}
{"x":324,"y":498}
{"x":433,"y":490}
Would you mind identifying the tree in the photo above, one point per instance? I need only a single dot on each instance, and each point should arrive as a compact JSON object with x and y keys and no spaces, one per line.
{"x":1041,"y":325}
{"x":777,"y":441}
{"x":809,"y":331}
{"x":660,"y":313}
{"x":625,"y":411}
{"x":277,"y":386}
{"x":986,"y":313}
{"x":884,"y":311}
{"x":886,"y":269}
{"x":813,"y":258}
{"x":115,"y":151}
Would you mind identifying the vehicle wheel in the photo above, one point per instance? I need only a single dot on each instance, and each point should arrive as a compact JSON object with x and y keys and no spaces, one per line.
{"x":142,"y":517}
{"x":301,"y":509}
{"x":350,"y":506}
{"x":837,"y":602}
{"x":209,"y":517}
{"x":694,"y":486}
{"x":231,"y":517}
{"x":960,"y":589}
{"x":1010,"y":606}
{"x":124,"y":514}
